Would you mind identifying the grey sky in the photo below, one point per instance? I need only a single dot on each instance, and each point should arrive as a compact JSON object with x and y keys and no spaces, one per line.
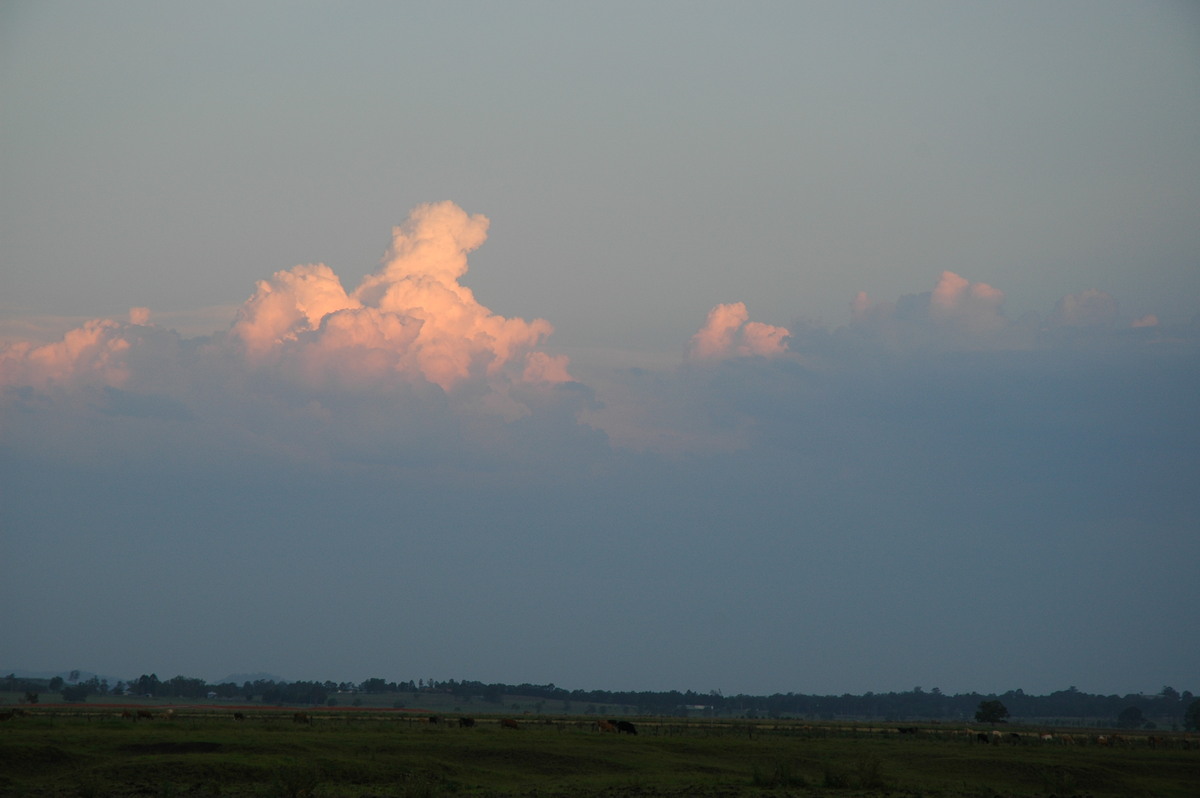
{"x":976,"y":476}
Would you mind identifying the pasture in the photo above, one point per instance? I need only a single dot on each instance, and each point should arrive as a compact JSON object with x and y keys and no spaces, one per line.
{"x":92,"y":750}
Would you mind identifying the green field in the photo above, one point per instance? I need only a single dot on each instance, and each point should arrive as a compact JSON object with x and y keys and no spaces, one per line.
{"x":93,"y":751}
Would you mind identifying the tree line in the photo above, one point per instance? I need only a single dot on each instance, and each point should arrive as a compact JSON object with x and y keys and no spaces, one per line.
{"x":1168,"y":705}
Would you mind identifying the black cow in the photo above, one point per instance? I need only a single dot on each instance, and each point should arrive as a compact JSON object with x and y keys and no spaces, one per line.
{"x":624,"y":727}
{"x":466,"y":723}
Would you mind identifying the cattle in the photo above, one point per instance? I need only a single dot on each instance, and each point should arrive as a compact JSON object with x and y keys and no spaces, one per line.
{"x":509,"y":723}
{"x":126,"y":714}
{"x":6,"y":715}
{"x":1047,"y":738}
{"x":169,"y":714}
{"x":466,"y":723}
{"x":239,"y":716}
{"x":982,"y":737}
{"x":907,"y":729}
{"x":625,"y":727}
{"x":1014,"y":738}
{"x":143,"y":714}
{"x":606,"y":726}
{"x":301,"y":717}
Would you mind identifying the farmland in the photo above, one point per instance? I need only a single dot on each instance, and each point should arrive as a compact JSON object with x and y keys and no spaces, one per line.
{"x":89,"y":750}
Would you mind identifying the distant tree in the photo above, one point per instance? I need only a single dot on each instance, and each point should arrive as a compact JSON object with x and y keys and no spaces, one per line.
{"x":77,"y":692}
{"x":991,"y":712}
{"x":56,"y":684}
{"x":373,"y":685}
{"x":1169,"y":693}
{"x":1191,"y":716}
{"x":74,"y":677}
{"x":1130,"y":718}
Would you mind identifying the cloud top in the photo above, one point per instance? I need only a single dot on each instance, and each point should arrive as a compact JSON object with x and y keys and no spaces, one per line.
{"x":411,"y":317}
{"x":728,"y":332}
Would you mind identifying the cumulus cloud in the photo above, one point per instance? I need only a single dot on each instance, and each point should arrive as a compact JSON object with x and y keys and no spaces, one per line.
{"x":408,"y":366}
{"x":412,"y":314}
{"x":956,"y":314}
{"x":411,"y":321}
{"x":728,"y":333}
{"x":95,"y":352}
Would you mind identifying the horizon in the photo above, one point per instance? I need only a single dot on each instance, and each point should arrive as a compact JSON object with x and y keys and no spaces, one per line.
{"x":796,"y":346}
{"x":242,"y":678}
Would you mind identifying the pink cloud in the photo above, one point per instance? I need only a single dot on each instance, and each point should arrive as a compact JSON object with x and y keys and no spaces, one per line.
{"x":956,"y":313}
{"x":728,"y":333}
{"x":975,"y":307}
{"x":95,"y":352}
{"x":410,"y":320}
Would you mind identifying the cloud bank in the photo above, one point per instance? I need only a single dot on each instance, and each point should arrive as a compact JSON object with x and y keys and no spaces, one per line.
{"x":401,"y":446}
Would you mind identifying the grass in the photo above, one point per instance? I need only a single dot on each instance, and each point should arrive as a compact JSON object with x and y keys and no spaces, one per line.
{"x":91,"y":750}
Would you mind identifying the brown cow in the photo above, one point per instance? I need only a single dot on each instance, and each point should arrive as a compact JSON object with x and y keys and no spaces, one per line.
{"x":143,"y":714}
{"x":606,"y":726}
{"x":301,"y":717}
{"x":509,"y":723}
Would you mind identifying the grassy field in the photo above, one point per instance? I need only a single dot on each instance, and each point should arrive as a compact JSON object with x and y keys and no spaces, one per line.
{"x":94,"y":751}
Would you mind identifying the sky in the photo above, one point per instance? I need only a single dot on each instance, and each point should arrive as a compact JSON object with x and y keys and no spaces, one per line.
{"x":767,"y":347}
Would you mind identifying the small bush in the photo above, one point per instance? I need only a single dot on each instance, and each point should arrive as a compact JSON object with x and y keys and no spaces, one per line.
{"x":782,"y":775}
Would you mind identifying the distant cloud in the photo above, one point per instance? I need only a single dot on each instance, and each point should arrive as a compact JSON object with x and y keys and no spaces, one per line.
{"x":409,"y":366}
{"x":956,"y":314}
{"x":1089,"y":308}
{"x":411,"y":320}
{"x":411,"y":317}
{"x":728,"y":333}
